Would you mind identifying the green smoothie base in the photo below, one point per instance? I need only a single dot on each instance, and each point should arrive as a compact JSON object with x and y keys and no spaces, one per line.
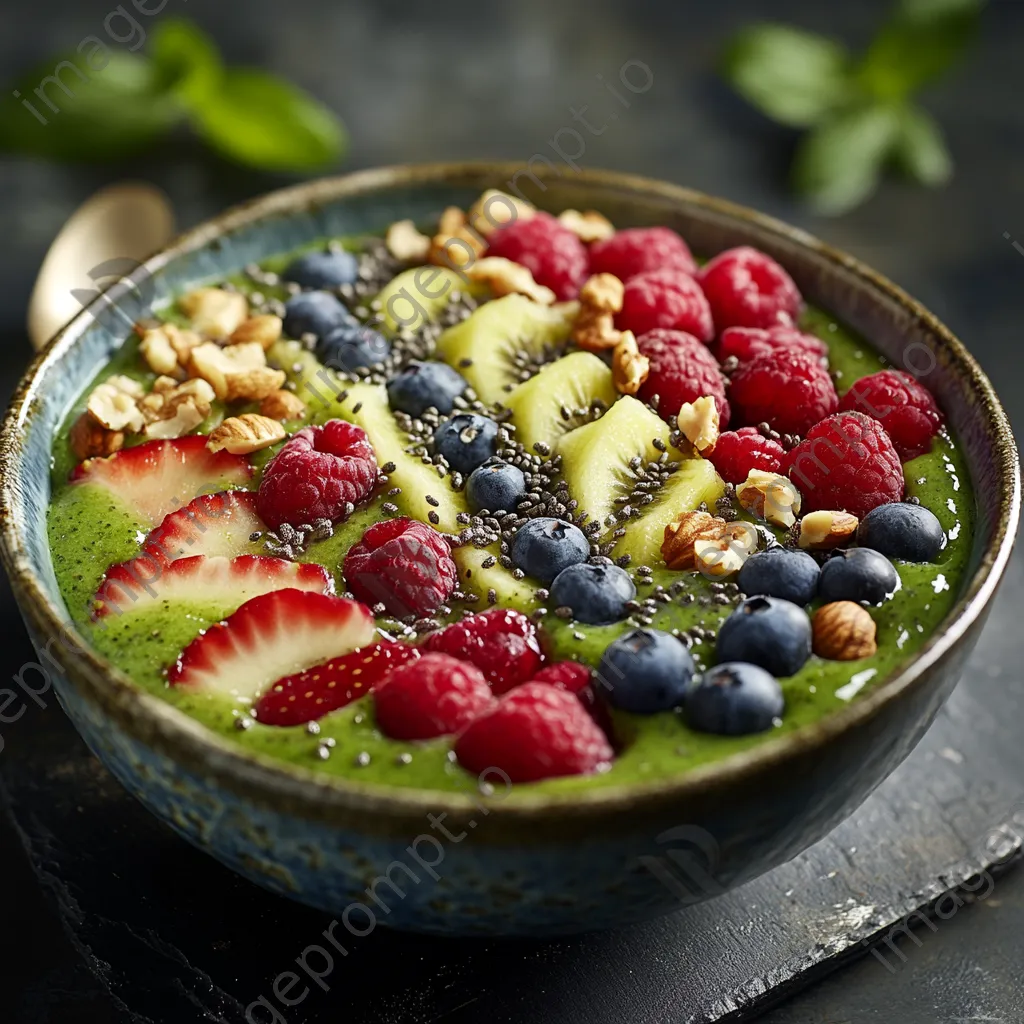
{"x":88,"y":532}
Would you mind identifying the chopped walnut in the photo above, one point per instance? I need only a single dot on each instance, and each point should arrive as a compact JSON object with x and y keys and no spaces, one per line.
{"x":680,"y":535}
{"x":236,"y":372}
{"x":822,"y":531}
{"x":90,"y":439}
{"x":240,"y":435}
{"x":166,"y":349}
{"x":594,"y":326}
{"x":265,"y":328}
{"x":629,"y":368}
{"x":283,"y":405}
{"x":214,"y":312}
{"x":455,"y":244}
{"x":174,"y":410}
{"x":699,"y":422}
{"x":589,"y":226}
{"x":771,"y":497}
{"x":504,"y":277}
{"x":494,"y":209}
{"x":406,"y":243}
{"x":114,"y":404}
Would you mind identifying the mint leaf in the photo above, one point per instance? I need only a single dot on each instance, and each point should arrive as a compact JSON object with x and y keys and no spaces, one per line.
{"x":921,"y":150}
{"x":837,"y":165}
{"x":258,"y":119}
{"x":99,"y":105}
{"x":920,"y":41}
{"x":186,"y":58}
{"x":794,"y":77}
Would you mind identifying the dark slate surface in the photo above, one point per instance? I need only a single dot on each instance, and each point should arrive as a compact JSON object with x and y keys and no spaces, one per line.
{"x":177,"y":939}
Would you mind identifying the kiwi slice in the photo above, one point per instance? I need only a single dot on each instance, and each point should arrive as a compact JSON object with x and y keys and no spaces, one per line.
{"x":418,"y":295}
{"x":596,"y":457}
{"x":485,"y":347}
{"x":475,"y":578}
{"x":695,"y":480}
{"x":570,"y":385}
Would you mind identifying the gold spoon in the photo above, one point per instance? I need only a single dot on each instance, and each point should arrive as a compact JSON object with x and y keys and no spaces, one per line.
{"x":104,"y":239}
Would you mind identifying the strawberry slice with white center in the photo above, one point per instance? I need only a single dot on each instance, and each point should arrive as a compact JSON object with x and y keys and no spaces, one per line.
{"x":226,"y":582}
{"x":269,"y":637}
{"x":212,"y":524}
{"x":157,"y":477}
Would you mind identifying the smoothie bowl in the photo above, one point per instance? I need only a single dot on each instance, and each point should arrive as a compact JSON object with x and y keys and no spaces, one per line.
{"x":474,"y":551}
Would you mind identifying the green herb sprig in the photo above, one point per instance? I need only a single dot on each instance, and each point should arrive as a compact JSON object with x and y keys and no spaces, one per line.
{"x":104,"y":103}
{"x":860,"y":112}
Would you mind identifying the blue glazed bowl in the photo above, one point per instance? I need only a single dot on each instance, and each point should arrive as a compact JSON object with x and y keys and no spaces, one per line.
{"x":522,"y":863}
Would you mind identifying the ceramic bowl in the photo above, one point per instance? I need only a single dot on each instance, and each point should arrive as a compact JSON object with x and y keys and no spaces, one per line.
{"x":527,"y":864}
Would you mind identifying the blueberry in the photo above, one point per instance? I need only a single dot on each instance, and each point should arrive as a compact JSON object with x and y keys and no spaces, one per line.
{"x":597,"y":594}
{"x":645,"y":670}
{"x":542,"y":548}
{"x":769,"y":632}
{"x":323,"y":269}
{"x":859,"y":574}
{"x":780,"y":572}
{"x":422,"y":385}
{"x":352,"y":346}
{"x":314,"y":313}
{"x":466,"y":441}
{"x":734,"y":699}
{"x":495,"y":486}
{"x":902,"y":530}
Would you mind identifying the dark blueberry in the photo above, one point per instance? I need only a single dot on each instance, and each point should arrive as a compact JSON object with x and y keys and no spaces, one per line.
{"x":645,"y":670}
{"x":314,"y":313}
{"x":780,"y":572}
{"x":901,"y":530}
{"x":351,"y":347}
{"x":859,"y":574}
{"x":766,"y":631}
{"x":495,"y":486}
{"x":323,"y":269}
{"x":734,"y":699}
{"x":597,"y":594}
{"x":542,"y":548}
{"x":422,"y":385}
{"x":466,"y":441}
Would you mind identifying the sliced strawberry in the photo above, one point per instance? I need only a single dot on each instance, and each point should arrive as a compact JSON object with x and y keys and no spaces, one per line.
{"x":212,"y":524}
{"x":269,"y":637}
{"x":315,"y":692}
{"x":157,"y":477}
{"x":143,"y":581}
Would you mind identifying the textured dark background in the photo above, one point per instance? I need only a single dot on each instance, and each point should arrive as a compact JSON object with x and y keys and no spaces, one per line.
{"x":476,"y":79}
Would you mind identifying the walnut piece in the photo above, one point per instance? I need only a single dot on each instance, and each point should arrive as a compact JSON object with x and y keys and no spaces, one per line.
{"x":771,"y":497}
{"x":629,"y":368}
{"x":173,"y":409}
{"x":594,"y":327}
{"x":90,"y":439}
{"x":822,"y":531}
{"x":504,"y":277}
{"x":265,"y":328}
{"x":494,"y":209}
{"x":680,"y":536}
{"x":283,"y":405}
{"x":166,"y":349}
{"x":699,"y":422}
{"x":240,"y":435}
{"x":114,"y":404}
{"x":843,"y":631}
{"x":406,"y":243}
{"x":214,"y":312}
{"x":455,"y":244}
{"x":589,"y":226}
{"x":238,"y":372}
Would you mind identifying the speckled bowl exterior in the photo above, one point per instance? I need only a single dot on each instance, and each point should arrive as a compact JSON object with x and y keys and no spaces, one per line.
{"x":520,"y":863}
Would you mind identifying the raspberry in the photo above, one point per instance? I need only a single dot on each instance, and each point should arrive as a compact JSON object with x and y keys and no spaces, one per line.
{"x":906,"y":410}
{"x":535,"y":732}
{"x":555,"y":256}
{"x":316,"y":475}
{"x":846,"y":463}
{"x":682,"y":370}
{"x":746,"y":343}
{"x":738,"y":452}
{"x":747,"y":288}
{"x":668,"y":299}
{"x":637,"y":250}
{"x":404,"y":565}
{"x":790,"y":391}
{"x":566,"y":675}
{"x":432,"y":696}
{"x":500,"y":642}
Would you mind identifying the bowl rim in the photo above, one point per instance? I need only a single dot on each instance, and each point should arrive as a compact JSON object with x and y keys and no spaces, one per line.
{"x":265,"y":780}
